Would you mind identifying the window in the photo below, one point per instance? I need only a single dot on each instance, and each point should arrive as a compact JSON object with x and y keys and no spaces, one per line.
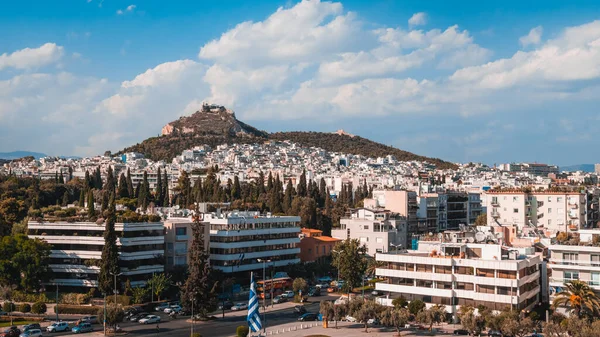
{"x":180,"y":260}
{"x":323,"y":250}
{"x":366,"y":227}
{"x":181,"y":248}
{"x":595,"y":279}
{"x":549,"y":210}
{"x":560,"y":211}
{"x":180,"y":231}
{"x":515,"y":199}
{"x":595,"y":259}
{"x":559,"y":199}
{"x":549,"y":222}
{"x":571,"y":275}
{"x":570,"y":258}
{"x":363,"y":239}
{"x":169,"y":246}
{"x":379,"y":240}
{"x":515,"y":210}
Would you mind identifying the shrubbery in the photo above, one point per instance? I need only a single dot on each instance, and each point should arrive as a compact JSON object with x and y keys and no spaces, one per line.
{"x":242,"y":331}
{"x":19,"y":296}
{"x":77,"y":309}
{"x":8,"y":306}
{"x":75,"y":298}
{"x":121,"y":299}
{"x":24,"y":307}
{"x":39,"y":308}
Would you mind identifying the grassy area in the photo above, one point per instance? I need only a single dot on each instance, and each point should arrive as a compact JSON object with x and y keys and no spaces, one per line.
{"x":7,"y":324}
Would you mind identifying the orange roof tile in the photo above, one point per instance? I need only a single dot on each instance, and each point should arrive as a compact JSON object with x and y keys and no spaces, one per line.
{"x":327,"y":238}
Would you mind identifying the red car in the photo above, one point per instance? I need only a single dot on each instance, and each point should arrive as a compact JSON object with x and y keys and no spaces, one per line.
{"x":11,"y":332}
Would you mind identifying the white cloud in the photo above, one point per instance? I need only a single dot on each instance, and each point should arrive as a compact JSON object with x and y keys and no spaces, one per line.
{"x":119,"y":12}
{"x":129,"y":8}
{"x":31,"y":58}
{"x":161,"y":74}
{"x":418,"y":19}
{"x":533,"y":38}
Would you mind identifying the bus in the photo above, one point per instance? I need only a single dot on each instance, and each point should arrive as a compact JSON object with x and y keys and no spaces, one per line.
{"x":274,"y":286}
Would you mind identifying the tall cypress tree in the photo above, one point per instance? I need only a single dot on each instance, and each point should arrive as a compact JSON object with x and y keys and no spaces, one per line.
{"x":109,"y":262}
{"x":270,"y":183}
{"x":236,"y":189}
{"x":130,"y":189}
{"x":81,"y":197}
{"x":123,"y":191}
{"x":158,"y":191}
{"x":200,"y":288}
{"x":109,"y":185}
{"x":61,"y":179}
{"x":65,"y":199}
{"x":260,"y":183}
{"x":165,"y":193}
{"x":144,"y":195}
{"x":322,"y":191}
{"x":302,"y":188}
{"x":88,"y":180}
{"x":90,"y":204}
{"x":97,"y":179}
{"x":184,"y":190}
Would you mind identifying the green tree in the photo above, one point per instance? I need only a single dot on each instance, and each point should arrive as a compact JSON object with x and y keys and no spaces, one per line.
{"x":183,"y":190}
{"x":81,"y":198}
{"x":579,"y":299}
{"x":160,"y":283}
{"x":114,"y":314}
{"x":109,"y":262}
{"x":395,"y":317}
{"x":39,"y":308}
{"x":400,"y":302}
{"x":300,"y":284}
{"x":24,"y":262}
{"x":326,"y":309}
{"x":130,"y":189}
{"x":91,"y":210}
{"x":139,"y":294}
{"x":368,"y":310}
{"x":302,"y":188}
{"x":65,"y":199}
{"x":470,"y":321}
{"x":436,"y":314}
{"x":123,"y":190}
{"x":339,"y":312}
{"x":165,"y":194}
{"x":517,"y":327}
{"x":8,"y":306}
{"x":159,"y":188}
{"x":416,"y":306}
{"x":349,"y":260}
{"x":481,"y":220}
{"x":199,"y":287}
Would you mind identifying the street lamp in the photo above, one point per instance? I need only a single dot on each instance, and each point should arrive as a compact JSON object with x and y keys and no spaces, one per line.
{"x":264,"y":262}
{"x":116,"y":292}
{"x":338,"y":268}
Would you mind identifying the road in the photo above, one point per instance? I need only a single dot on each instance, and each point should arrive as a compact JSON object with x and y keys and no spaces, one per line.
{"x":220,"y":327}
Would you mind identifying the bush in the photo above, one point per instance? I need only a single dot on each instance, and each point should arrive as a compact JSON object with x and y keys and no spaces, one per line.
{"x":8,"y":306}
{"x":39,"y":308}
{"x":77,"y":309}
{"x":24,"y":307}
{"x":242,"y":331}
{"x":19,"y":296}
{"x":75,"y":298}
{"x":416,"y":306}
{"x":121,"y":299}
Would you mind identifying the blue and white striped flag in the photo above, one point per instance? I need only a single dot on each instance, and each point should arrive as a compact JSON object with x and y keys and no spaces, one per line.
{"x":253,"y":307}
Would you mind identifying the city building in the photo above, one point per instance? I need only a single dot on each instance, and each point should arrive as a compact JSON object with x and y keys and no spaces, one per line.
{"x":77,"y":248}
{"x":379,"y":230}
{"x":238,"y":240}
{"x":597,"y":168}
{"x":462,"y":273}
{"x":535,"y":169}
{"x":178,"y":240}
{"x":554,"y":211}
{"x":314,"y":245}
{"x":577,"y":258}
{"x":403,"y":203}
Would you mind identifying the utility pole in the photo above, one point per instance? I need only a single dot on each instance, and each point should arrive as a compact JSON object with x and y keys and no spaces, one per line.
{"x":104,"y":314}
{"x":116,"y":292}
{"x":56,"y":309}
{"x":265,"y":294}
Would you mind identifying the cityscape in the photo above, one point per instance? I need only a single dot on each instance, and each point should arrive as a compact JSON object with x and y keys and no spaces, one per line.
{"x":317,"y":168}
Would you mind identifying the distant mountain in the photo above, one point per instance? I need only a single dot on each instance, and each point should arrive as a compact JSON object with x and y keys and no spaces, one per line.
{"x":20,"y":154}
{"x":580,"y":167}
{"x":214,"y":125}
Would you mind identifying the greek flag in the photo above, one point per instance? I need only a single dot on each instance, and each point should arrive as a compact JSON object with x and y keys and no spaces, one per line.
{"x":253,"y":307}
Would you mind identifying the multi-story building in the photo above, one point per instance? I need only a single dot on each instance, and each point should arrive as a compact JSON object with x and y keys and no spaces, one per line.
{"x":403,"y":203}
{"x":77,"y":248}
{"x":555,"y":211}
{"x":379,"y":230}
{"x":447,"y":210}
{"x":314,"y":245}
{"x":535,"y":169}
{"x":178,"y":240}
{"x":576,"y":260}
{"x":597,"y":168}
{"x":239,"y":239}
{"x":462,"y":273}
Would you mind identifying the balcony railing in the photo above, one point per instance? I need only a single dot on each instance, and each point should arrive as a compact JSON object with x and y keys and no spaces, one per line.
{"x":563,"y":281}
{"x":495,"y":203}
{"x":495,"y":215}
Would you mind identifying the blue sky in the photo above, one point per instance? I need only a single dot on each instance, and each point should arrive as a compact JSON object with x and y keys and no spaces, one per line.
{"x":463,"y":81}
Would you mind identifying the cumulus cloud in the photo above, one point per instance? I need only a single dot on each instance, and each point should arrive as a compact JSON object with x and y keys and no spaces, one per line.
{"x":31,"y":58}
{"x":129,"y":8}
{"x":418,"y":19}
{"x":534,"y":37}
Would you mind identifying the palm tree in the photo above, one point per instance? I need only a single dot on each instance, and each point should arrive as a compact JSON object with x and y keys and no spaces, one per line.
{"x":578,"y":297}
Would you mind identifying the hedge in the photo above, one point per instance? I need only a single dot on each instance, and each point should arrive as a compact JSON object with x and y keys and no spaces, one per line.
{"x":121,"y":299}
{"x":39,"y":308}
{"x":8,"y":307}
{"x":24,"y":307}
{"x":77,"y":309}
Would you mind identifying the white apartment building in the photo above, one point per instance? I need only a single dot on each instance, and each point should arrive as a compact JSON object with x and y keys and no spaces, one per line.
{"x":403,"y":203}
{"x":455,"y":274}
{"x":77,"y":248}
{"x":178,"y":240}
{"x":576,"y":260}
{"x":239,"y":239}
{"x":379,"y":230}
{"x":555,"y":211}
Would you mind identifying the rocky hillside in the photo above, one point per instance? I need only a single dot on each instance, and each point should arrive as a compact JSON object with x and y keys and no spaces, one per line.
{"x":214,"y":125}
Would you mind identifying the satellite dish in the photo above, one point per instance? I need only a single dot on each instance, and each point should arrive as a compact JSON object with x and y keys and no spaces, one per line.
{"x":454,"y":239}
{"x":440,"y":236}
{"x":480,"y":236}
{"x":470,"y":240}
{"x":491,"y":237}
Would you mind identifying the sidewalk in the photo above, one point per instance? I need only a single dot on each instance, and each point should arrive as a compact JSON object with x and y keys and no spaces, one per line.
{"x":347,"y":329}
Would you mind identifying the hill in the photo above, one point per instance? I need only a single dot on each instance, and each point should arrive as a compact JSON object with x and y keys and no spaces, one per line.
{"x":20,"y":154}
{"x":214,"y":125}
{"x":580,"y":167}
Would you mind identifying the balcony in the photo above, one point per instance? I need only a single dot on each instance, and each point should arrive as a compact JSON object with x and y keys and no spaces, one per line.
{"x":539,"y":216}
{"x":573,"y":227}
{"x":573,"y":215}
{"x":495,"y":203}
{"x":540,"y":204}
{"x":495,"y":215}
{"x":527,"y":202}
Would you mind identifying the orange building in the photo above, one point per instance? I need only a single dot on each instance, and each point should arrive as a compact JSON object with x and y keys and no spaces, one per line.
{"x":313,"y":245}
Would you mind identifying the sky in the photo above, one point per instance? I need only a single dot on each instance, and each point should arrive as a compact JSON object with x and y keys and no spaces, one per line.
{"x":482,"y":81}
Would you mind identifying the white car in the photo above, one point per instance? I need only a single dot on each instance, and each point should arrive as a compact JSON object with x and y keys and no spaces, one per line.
{"x":32,"y":333}
{"x":289,"y":294}
{"x":161,"y":306}
{"x":58,"y":327}
{"x":150,"y":319}
{"x":350,"y":319}
{"x":239,"y":306}
{"x":90,"y":319}
{"x":173,"y":308}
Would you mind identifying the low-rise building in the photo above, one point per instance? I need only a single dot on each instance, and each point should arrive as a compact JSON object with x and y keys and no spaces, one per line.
{"x":314,"y":245}
{"x":379,"y":230}
{"x":77,"y":248}
{"x":238,"y":240}
{"x":178,"y":240}
{"x":462,"y":273}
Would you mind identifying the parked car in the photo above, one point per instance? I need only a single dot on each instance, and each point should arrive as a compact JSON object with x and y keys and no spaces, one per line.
{"x":90,"y":319}
{"x":494,"y":333}
{"x":150,"y":319}
{"x":3,"y":313}
{"x":58,"y":327}
{"x":226,"y":305}
{"x":31,"y":333}
{"x":461,"y":332}
{"x":376,"y":293}
{"x":300,"y":310}
{"x":138,"y":316}
{"x":314,"y":292}
{"x":350,"y":319}
{"x":31,"y":326}
{"x":240,"y":306}
{"x":331,"y":289}
{"x":308,"y":317}
{"x":82,"y":327}
{"x":161,"y":306}
{"x":373,"y":321}
{"x":173,"y":308}
{"x":289,"y":294}
{"x":12,"y":331}
{"x":279,"y":299}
